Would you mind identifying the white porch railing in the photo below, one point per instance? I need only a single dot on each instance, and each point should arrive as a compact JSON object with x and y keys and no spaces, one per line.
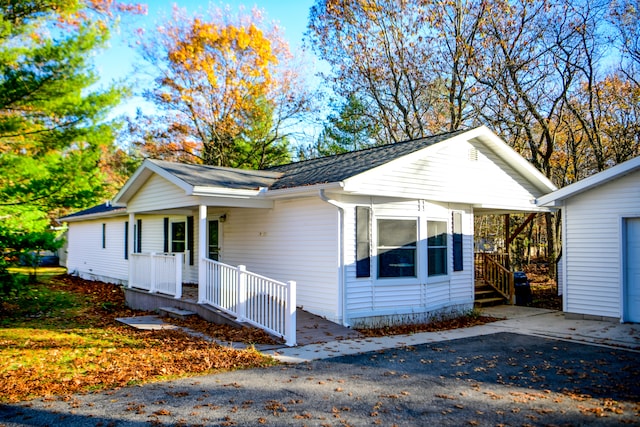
{"x":154,"y":272}
{"x":257,"y":300}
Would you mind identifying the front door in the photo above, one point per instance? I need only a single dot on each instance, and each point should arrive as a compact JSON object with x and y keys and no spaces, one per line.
{"x":632,"y":270}
{"x":213,"y":249}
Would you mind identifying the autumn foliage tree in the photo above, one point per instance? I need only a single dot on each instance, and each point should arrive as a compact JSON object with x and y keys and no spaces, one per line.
{"x":226,"y":88}
{"x":557,"y":79}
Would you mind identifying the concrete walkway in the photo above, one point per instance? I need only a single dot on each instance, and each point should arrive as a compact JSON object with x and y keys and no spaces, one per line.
{"x":521,"y":320}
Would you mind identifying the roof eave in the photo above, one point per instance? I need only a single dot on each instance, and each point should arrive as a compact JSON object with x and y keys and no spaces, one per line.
{"x":557,"y":197}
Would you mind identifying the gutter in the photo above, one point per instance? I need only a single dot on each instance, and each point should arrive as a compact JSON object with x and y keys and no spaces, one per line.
{"x":294,"y":191}
{"x":342,"y":275}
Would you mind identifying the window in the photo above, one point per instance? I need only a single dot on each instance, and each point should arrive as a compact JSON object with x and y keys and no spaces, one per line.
{"x":178,"y":236}
{"x":397,"y":248}
{"x":458,"y":264}
{"x":214,"y":240}
{"x":437,"y":247}
{"x":363,"y":244}
{"x":137,"y":236}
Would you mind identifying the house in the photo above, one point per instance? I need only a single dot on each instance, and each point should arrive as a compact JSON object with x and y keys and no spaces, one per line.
{"x":599,"y":271}
{"x":370,"y":237}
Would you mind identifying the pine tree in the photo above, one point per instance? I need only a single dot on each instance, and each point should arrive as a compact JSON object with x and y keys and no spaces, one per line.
{"x":52,"y":119}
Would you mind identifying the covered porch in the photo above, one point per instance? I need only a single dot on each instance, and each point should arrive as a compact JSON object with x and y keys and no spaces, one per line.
{"x":191,"y":252}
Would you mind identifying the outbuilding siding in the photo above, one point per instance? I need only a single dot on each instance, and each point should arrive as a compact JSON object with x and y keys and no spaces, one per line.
{"x":593,"y":246}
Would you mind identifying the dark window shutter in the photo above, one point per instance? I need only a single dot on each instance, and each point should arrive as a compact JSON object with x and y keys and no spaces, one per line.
{"x":139,"y":232}
{"x":104,"y":236}
{"x":457,"y":242}
{"x":190,"y":238}
{"x":166,"y":235}
{"x":363,"y":244}
{"x":126,"y":240}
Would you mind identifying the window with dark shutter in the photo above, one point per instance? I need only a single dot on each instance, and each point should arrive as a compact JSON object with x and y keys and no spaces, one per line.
{"x":363,"y":242}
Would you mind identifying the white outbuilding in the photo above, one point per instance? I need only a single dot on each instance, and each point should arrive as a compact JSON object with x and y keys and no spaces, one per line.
{"x":599,"y":271}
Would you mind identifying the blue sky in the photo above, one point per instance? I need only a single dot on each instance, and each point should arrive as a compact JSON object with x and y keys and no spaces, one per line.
{"x":116,"y":63}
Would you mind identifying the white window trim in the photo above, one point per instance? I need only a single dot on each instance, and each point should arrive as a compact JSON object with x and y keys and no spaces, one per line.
{"x":441,"y":277}
{"x":374,"y":251}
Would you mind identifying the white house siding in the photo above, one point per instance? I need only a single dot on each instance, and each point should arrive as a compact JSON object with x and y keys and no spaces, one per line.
{"x":455,"y":171}
{"x":158,"y":194}
{"x":593,"y":246}
{"x":295,"y":240}
{"x":372,"y":301}
{"x":88,"y":259}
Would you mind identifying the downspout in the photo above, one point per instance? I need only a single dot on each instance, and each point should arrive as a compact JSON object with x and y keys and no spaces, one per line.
{"x":342,"y":275}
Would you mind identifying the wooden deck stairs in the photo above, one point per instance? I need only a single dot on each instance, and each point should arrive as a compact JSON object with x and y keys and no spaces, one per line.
{"x":494,"y":283}
{"x":487,"y":296}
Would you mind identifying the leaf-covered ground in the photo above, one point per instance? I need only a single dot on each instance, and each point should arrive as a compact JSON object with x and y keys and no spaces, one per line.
{"x":63,"y":338}
{"x":81,"y":347}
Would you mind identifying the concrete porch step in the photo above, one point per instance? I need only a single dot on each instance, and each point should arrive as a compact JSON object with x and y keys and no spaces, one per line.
{"x":176,"y":313}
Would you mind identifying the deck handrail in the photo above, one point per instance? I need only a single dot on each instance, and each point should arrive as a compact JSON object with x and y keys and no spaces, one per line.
{"x":495,"y":274}
{"x":258,"y":300}
{"x":157,"y":272}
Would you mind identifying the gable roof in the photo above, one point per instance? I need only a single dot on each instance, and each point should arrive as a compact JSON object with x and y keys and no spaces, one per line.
{"x":309,"y":175}
{"x":339,"y":167}
{"x":590,"y":182}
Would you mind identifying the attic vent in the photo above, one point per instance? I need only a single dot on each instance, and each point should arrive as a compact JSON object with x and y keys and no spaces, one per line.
{"x":473,"y":154}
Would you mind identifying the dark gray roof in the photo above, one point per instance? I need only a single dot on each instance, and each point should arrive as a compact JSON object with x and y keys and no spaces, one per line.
{"x":214,"y":176}
{"x":299,"y":174}
{"x":342,"y":166}
{"x":103,"y":208}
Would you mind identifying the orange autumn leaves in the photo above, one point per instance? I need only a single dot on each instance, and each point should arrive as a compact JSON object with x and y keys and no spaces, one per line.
{"x":221,"y":87}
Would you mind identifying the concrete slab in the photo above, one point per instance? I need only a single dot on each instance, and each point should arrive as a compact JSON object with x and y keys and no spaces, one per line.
{"x":146,"y":323}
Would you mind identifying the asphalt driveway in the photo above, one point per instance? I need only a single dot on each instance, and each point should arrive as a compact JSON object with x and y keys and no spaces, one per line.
{"x":488,"y":380}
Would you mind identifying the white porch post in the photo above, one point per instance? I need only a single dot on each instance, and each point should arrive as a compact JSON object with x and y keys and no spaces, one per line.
{"x":130,"y":247}
{"x":202,"y":252}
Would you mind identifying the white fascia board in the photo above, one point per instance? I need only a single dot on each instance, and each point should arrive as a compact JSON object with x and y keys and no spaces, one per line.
{"x":555,"y":198}
{"x":511,"y":157}
{"x":224,"y":192}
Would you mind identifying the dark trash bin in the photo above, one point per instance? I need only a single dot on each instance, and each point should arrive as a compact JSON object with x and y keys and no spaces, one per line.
{"x":522,"y":288}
